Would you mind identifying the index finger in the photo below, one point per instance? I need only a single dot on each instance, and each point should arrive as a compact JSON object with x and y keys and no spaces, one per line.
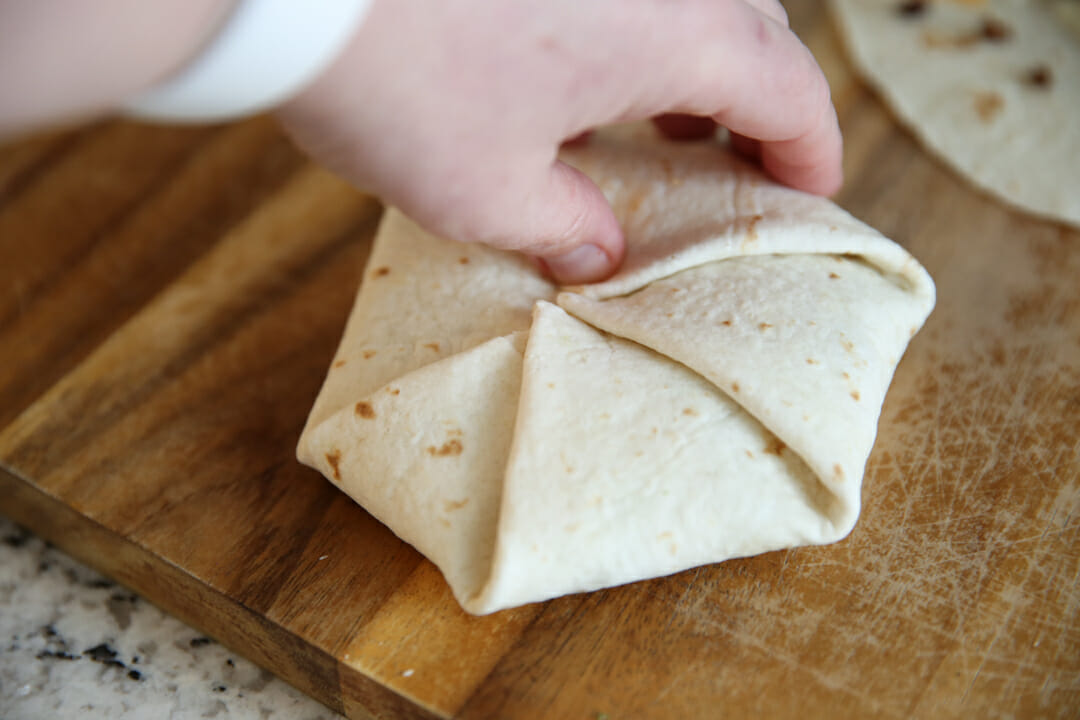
{"x":780,"y":97}
{"x":754,"y":76}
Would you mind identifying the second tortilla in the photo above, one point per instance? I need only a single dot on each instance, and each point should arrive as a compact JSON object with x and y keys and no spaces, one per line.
{"x":991,"y":87}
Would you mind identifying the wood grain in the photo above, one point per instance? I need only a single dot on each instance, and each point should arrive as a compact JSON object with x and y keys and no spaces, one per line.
{"x":170,"y":300}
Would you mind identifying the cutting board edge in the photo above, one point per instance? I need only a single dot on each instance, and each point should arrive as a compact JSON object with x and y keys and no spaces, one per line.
{"x":310,"y":670}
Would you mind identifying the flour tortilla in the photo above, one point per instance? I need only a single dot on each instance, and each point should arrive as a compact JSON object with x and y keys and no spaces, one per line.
{"x":717,"y":398}
{"x":973,"y":101}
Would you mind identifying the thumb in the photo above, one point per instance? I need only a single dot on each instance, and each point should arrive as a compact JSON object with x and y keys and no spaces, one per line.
{"x":570,"y":226}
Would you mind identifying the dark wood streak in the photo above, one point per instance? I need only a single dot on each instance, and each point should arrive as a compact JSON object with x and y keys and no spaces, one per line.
{"x":109,"y":196}
{"x":106,"y":400}
{"x":70,"y":319}
{"x":22,"y":165}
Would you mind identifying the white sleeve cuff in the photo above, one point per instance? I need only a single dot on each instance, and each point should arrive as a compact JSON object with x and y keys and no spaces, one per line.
{"x":267,"y":51}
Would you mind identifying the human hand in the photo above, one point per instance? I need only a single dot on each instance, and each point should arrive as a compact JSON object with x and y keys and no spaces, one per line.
{"x":455,"y":111}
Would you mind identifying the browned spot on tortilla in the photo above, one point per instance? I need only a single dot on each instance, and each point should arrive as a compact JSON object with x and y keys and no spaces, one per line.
{"x":848,"y":345}
{"x":450,"y":447}
{"x":994,"y":30}
{"x":725,"y":323}
{"x":735,"y":387}
{"x":811,"y":361}
{"x":463,"y":261}
{"x":634,"y":203}
{"x":381,"y":271}
{"x":339,"y":363}
{"x":368,"y":354}
{"x":674,"y":548}
{"x":551,"y":385}
{"x":432,"y":346}
{"x":444,"y":522}
{"x":933,"y":39}
{"x":1039,"y":76}
{"x":912,"y":331}
{"x":838,"y":472}
{"x":764,"y":326}
{"x":775,"y":447}
{"x":990,"y":29}
{"x":334,"y":458}
{"x":749,"y":454}
{"x":988,"y":105}
{"x":675,"y":290}
{"x":855,"y":395}
{"x":689,"y":411}
{"x":664,"y":536}
{"x":393,"y":391}
{"x":846,"y":376}
{"x":452,"y":505}
{"x":364,"y":410}
{"x":454,"y":432}
{"x":751,"y":228}
{"x":833,"y":276}
{"x":911,"y":8}
{"x":665,"y":165}
{"x":669,"y":314}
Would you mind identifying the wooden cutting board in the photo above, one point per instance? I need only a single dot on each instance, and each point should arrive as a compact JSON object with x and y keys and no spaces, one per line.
{"x":170,"y":300}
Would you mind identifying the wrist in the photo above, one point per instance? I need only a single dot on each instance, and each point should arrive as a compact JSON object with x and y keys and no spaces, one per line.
{"x":265,"y":52}
{"x":60,"y":60}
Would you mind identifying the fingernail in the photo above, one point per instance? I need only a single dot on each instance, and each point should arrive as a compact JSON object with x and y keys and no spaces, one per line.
{"x":584,"y":264}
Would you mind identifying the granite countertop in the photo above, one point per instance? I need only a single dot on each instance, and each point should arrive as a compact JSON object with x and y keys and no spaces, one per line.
{"x":75,"y":644}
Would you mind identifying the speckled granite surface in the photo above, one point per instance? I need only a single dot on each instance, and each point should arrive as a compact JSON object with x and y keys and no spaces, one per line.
{"x":74,"y":644}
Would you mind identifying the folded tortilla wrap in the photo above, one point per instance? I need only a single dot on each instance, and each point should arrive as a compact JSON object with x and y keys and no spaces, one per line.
{"x":717,"y":398}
